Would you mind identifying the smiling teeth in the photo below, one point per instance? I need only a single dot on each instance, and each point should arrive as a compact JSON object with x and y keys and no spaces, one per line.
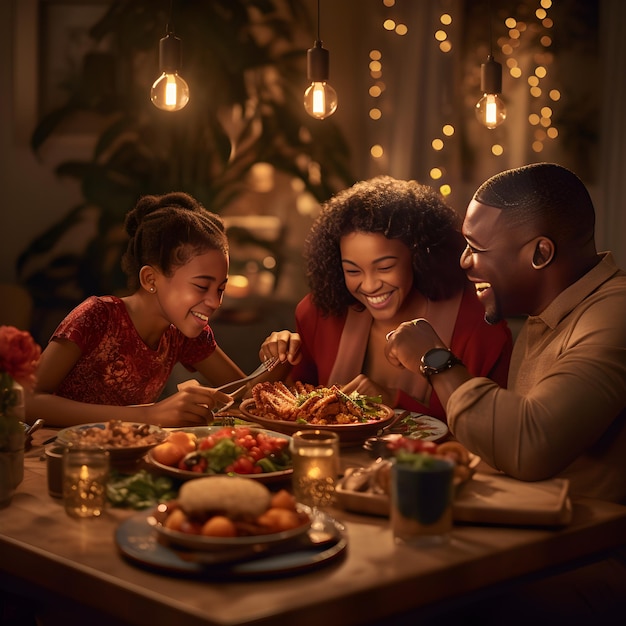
{"x":204,"y":318}
{"x":377,"y":299}
{"x":482,"y":286}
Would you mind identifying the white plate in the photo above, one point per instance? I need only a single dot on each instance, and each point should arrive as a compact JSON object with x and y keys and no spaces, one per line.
{"x":420,"y":426}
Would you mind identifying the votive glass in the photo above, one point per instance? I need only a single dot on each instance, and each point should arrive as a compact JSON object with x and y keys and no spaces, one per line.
{"x":315,"y":458}
{"x":85,"y":475}
{"x":421,"y":499}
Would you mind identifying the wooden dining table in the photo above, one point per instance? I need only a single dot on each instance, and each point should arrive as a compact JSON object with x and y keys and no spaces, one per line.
{"x":73,"y":572}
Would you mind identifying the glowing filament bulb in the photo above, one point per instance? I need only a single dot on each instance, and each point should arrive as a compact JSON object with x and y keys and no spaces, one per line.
{"x":491,"y":108}
{"x":320,"y":99}
{"x":170,"y":91}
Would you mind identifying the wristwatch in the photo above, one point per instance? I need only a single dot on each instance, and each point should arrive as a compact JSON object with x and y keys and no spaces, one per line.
{"x":438,"y":360}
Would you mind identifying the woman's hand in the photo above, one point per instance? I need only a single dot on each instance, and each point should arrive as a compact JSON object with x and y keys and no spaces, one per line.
{"x":284,"y":344}
{"x":367,"y":387}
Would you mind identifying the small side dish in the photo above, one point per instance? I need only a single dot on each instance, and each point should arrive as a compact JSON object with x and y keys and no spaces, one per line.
{"x":367,"y":489}
{"x":127,"y":442}
{"x":227,"y":512}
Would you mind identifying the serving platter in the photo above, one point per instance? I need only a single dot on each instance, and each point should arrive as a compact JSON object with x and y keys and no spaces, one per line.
{"x":140,"y":544}
{"x":205,"y":431}
{"x":372,"y":503}
{"x":349,"y":434}
{"x":121,"y":452}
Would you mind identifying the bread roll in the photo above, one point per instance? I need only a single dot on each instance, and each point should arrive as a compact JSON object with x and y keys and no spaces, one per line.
{"x":233,"y":496}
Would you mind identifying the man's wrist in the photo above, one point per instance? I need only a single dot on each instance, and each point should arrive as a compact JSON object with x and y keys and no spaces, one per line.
{"x":438,"y":360}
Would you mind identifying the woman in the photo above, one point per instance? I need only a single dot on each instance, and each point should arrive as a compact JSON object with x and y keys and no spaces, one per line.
{"x":382,"y":252}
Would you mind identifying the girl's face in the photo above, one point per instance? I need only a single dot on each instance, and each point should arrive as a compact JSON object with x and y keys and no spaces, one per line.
{"x":193,"y":292}
{"x":378,"y":272}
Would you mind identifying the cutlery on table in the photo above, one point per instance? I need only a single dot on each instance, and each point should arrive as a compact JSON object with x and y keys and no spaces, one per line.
{"x":28,"y":433}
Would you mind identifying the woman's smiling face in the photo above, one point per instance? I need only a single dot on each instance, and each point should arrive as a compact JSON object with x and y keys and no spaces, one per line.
{"x":378,"y":272}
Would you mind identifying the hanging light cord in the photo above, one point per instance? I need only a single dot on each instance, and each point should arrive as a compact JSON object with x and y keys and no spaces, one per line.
{"x":318,"y":20}
{"x":170,"y":21}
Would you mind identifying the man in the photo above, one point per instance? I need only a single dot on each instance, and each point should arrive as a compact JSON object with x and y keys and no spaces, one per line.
{"x":531,"y":251}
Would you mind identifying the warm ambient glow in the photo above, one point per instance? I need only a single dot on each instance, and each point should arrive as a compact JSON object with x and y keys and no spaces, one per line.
{"x":491,"y":110}
{"x":320,"y":100}
{"x":169,"y":92}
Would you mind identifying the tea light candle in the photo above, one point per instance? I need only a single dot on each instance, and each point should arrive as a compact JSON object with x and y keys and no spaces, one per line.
{"x":85,"y":474}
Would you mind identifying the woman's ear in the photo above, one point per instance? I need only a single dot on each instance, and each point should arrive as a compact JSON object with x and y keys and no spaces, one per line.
{"x":147,"y":278}
{"x":544,"y":253}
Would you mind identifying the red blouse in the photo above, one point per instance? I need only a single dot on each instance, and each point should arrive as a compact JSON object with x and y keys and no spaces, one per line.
{"x":116,"y":367}
{"x":484,"y":349}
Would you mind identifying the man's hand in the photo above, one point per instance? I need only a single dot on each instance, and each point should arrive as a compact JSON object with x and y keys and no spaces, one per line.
{"x":409,"y":342}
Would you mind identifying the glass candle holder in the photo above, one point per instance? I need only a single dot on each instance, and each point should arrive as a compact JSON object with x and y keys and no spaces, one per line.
{"x":54,"y":469}
{"x":315,"y":456}
{"x":85,"y":475}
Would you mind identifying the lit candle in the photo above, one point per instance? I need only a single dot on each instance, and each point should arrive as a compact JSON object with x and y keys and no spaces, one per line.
{"x":315,"y":456}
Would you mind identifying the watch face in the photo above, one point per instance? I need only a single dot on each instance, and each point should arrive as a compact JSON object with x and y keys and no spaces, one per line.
{"x":437,"y":357}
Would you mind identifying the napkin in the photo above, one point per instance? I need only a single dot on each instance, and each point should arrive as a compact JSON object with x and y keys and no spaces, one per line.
{"x":499,"y":499}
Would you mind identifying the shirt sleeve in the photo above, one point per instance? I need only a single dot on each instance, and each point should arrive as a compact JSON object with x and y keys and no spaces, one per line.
{"x":84,"y":325}
{"x":565,"y":396}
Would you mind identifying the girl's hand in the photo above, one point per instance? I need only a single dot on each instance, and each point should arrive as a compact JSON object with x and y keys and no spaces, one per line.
{"x":367,"y":387}
{"x":284,"y":344}
{"x":192,"y":405}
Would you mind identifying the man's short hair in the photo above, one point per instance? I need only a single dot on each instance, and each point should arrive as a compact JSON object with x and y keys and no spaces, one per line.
{"x":544,"y":195}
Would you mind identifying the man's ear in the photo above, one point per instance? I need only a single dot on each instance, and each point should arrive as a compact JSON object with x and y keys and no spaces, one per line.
{"x":147,"y":278}
{"x":544,"y":253}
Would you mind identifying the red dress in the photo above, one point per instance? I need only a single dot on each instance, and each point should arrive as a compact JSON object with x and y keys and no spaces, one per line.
{"x":484,"y":349}
{"x":116,"y":367}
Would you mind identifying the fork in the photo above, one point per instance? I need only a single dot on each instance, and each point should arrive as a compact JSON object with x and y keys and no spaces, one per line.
{"x":266,"y":366}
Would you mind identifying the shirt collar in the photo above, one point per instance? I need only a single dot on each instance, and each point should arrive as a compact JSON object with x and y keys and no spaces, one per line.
{"x":568,"y":299}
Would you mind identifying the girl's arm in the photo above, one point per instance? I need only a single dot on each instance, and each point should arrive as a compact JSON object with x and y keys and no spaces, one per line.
{"x":218,"y":368}
{"x":188,"y":407}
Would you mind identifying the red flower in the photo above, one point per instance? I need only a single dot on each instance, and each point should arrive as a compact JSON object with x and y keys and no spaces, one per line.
{"x":19,"y":355}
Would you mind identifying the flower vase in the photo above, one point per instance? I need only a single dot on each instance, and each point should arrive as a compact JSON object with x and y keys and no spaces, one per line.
{"x":12,"y":441}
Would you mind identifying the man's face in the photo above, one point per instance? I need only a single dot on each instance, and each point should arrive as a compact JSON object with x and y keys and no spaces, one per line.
{"x":498,"y":260}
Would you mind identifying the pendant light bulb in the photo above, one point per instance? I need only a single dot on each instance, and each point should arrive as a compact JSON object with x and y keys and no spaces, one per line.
{"x":320,"y":99}
{"x":491,"y":108}
{"x":170,"y":91}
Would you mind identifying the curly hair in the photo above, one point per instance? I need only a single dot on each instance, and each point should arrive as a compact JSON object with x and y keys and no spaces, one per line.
{"x":167,"y":231}
{"x":399,"y":209}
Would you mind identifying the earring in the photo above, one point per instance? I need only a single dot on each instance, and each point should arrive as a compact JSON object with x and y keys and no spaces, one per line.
{"x":152,"y":290}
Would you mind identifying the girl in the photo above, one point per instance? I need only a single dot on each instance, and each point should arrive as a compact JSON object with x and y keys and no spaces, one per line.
{"x":382,"y":252}
{"x":111,"y":352}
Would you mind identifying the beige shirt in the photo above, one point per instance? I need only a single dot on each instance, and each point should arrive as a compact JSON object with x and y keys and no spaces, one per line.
{"x":564,"y":412}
